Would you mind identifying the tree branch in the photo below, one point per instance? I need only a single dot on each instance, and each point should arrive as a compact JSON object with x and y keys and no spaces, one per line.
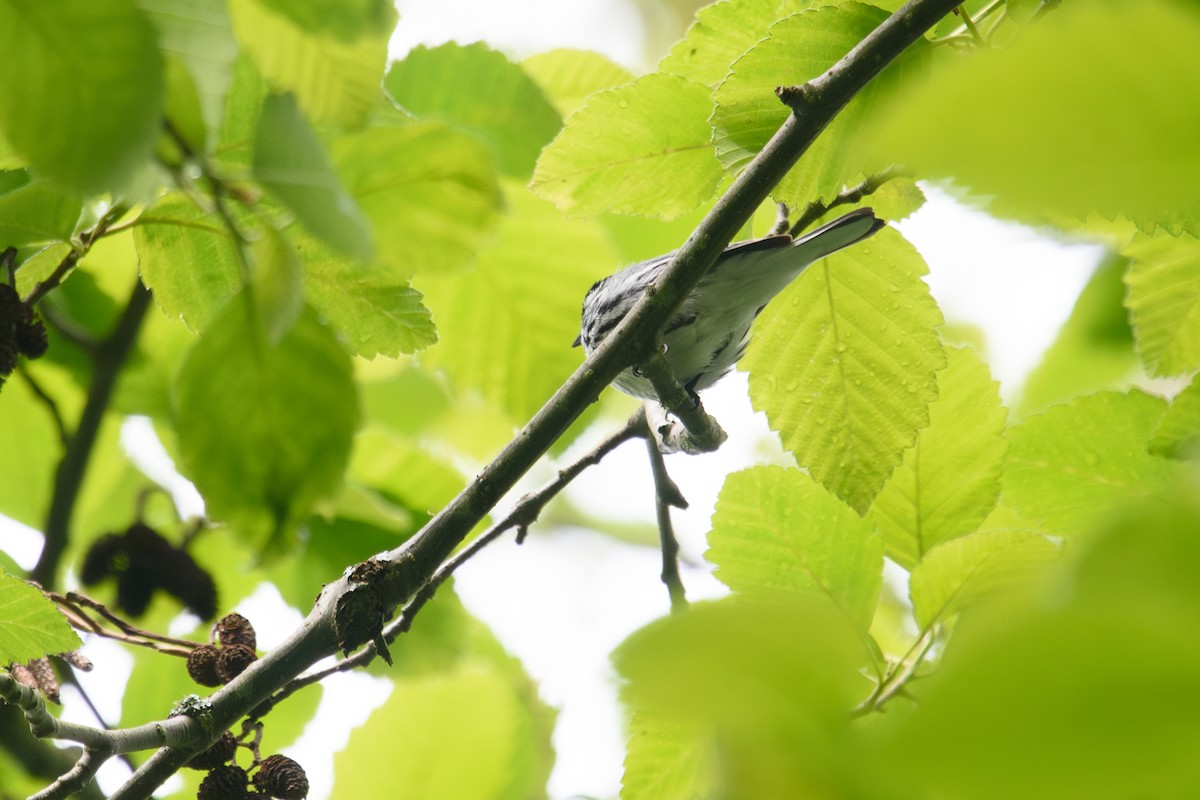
{"x":404,"y":570}
{"x":815,"y":210}
{"x":666,"y":496}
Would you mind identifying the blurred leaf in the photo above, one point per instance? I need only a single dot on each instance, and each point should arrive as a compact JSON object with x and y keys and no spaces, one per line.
{"x":278,"y":292}
{"x":956,"y":574}
{"x":775,"y":530}
{"x":1164,"y":301}
{"x":32,"y":627}
{"x":198,"y":33}
{"x":335,"y":81}
{"x":101,"y":65}
{"x":406,"y":402}
{"x":667,"y":760}
{"x":643,"y":148}
{"x":36,"y":211}
{"x":1094,"y":347}
{"x":506,"y":327}
{"x":404,"y":472}
{"x":1178,"y":432}
{"x":800,"y":48}
{"x":1085,"y":689}
{"x":234,"y":148}
{"x":949,"y":480}
{"x":290,"y":161}
{"x":480,"y":90}
{"x":1071,"y":466}
{"x":429,"y":191}
{"x":568,"y":77}
{"x":187,"y":259}
{"x":984,"y":120}
{"x":457,"y":735}
{"x":264,"y":430}
{"x":28,"y":429}
{"x":844,"y":363}
{"x":345,"y":19}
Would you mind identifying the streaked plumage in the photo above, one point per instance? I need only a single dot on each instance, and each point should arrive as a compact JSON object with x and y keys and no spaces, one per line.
{"x":709,"y":333}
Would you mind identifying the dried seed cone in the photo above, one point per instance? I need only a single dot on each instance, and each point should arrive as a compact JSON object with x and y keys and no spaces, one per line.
{"x":236,"y":629}
{"x":217,"y":754}
{"x":32,"y":339}
{"x":202,"y":665}
{"x":233,"y":660}
{"x":228,"y":782}
{"x":9,"y":352}
{"x":280,"y":776}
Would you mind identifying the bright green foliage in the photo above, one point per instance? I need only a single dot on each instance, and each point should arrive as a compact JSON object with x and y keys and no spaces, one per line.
{"x":949,"y":480}
{"x":345,"y":20}
{"x":800,"y":48}
{"x":1094,"y":348}
{"x":33,"y":212}
{"x":666,"y":760}
{"x":482,"y":91}
{"x":430,"y":193}
{"x":1072,"y":466}
{"x":335,"y":81}
{"x":506,"y":327}
{"x":960,"y":573}
{"x":568,"y":77}
{"x":1164,"y":301}
{"x":188,"y":259}
{"x":25,"y":480}
{"x":775,"y":530}
{"x":83,"y":101}
{"x":460,"y":734}
{"x":32,"y":627}
{"x":1123,"y":141}
{"x":844,"y":362}
{"x":290,"y":160}
{"x":1178,"y":432}
{"x":639,"y":149}
{"x":265,"y":429}
{"x":1085,"y":688}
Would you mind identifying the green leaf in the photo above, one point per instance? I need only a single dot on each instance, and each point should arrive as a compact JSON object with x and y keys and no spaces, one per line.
{"x":187,"y":259}
{"x":198,"y":33}
{"x":335,"y":81}
{"x":949,"y":480}
{"x":1069,"y":468}
{"x":1164,"y":301}
{"x":1094,"y":347}
{"x":404,"y":472}
{"x":26,"y":481}
{"x":430,"y":193}
{"x":235,"y":140}
{"x":480,"y":90}
{"x":800,"y":48}
{"x":844,"y":363}
{"x":1085,"y":688}
{"x":721,"y":34}
{"x":345,"y":19}
{"x":378,"y":313}
{"x":568,"y":77}
{"x":667,"y":760}
{"x":639,"y":149}
{"x":506,"y":327}
{"x":775,"y":530}
{"x":264,"y":430}
{"x":983,"y":120}
{"x":278,"y":292}
{"x":32,"y":627}
{"x":82,"y":92}
{"x":290,"y":161}
{"x":1178,"y":432}
{"x":35,"y":212}
{"x":959,"y":573}
{"x":454,"y":735}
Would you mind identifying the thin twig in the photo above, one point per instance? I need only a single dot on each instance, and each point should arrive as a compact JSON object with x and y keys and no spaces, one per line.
{"x":71,"y":259}
{"x":73,"y":606}
{"x":666,"y":496}
{"x":815,"y":210}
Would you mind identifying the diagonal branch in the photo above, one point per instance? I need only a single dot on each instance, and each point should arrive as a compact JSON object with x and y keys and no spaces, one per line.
{"x":404,"y":570}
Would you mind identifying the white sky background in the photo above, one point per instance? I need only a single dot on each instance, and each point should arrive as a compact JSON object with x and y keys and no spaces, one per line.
{"x":565,"y":599}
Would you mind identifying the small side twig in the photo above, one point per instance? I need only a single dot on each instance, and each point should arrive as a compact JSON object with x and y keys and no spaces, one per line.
{"x":696,"y":432}
{"x":666,"y":496}
{"x":75,"y":607}
{"x":49,"y":403}
{"x":75,"y":779}
{"x":814,"y":211}
{"x":523,"y":514}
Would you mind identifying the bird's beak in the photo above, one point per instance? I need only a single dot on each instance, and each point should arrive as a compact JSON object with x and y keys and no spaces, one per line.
{"x":578,"y":341}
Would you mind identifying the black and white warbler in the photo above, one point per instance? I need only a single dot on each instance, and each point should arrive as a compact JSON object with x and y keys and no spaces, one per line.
{"x":710,"y":331}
